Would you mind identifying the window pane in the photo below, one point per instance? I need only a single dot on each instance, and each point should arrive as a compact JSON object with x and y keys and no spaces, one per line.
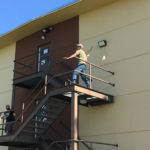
{"x":45,"y":51}
{"x":43,"y":62}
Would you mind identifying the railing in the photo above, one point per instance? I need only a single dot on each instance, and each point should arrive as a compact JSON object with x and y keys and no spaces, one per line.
{"x":29,"y":64}
{"x":26,"y":108}
{"x":21,"y":109}
{"x":26,"y":65}
{"x":86,"y":143}
{"x":31,"y":104}
{"x":93,"y":77}
{"x":3,"y":122}
{"x":32,"y":65}
{"x":88,"y":74}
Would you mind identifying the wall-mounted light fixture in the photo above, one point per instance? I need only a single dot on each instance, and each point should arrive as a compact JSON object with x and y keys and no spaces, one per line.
{"x":45,"y":31}
{"x":102,"y":43}
{"x":43,"y":37}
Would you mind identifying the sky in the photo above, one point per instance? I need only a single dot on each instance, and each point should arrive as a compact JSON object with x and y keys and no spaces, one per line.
{"x":14,"y":13}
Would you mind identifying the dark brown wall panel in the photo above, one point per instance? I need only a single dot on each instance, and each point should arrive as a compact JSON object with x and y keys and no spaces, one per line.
{"x":62,"y":40}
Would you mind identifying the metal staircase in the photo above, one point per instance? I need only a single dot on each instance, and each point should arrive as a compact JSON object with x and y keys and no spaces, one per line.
{"x":54,"y":97}
{"x":37,"y":123}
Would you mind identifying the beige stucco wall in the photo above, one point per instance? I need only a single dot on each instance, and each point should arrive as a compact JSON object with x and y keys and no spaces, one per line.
{"x":7,"y":55}
{"x":125,"y":24}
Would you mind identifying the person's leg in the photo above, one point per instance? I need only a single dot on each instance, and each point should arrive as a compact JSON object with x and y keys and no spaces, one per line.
{"x":75,"y":74}
{"x":84,"y":77}
{"x":6,"y":128}
{"x":10,"y":127}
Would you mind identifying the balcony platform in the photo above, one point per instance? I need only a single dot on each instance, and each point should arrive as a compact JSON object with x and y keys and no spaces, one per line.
{"x":25,"y":142}
{"x":30,"y":81}
{"x":72,"y":93}
{"x":86,"y":96}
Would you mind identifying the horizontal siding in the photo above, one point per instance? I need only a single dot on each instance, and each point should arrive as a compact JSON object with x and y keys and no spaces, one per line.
{"x":7,"y":55}
{"x":125,"y":24}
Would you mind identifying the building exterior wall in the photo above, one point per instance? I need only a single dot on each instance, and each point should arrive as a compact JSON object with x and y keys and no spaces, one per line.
{"x":125,"y":24}
{"x":7,"y":55}
{"x":62,"y":40}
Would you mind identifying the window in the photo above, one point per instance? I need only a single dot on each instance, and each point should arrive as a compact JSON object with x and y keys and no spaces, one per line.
{"x":44,"y":61}
{"x":45,"y":51}
{"x":43,"y":57}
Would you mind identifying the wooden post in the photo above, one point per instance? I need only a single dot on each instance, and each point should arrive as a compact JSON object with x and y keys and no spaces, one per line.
{"x":74,"y":120}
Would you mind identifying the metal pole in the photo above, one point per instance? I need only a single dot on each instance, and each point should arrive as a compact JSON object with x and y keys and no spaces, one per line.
{"x":22,"y":112}
{"x":3,"y":127}
{"x":90,"y":73}
{"x":74,"y":120}
{"x":45,"y":88}
{"x":97,"y":66}
{"x":35,"y":63}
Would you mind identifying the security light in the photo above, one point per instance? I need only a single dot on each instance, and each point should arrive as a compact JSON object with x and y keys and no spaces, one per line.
{"x":102,"y":43}
{"x":47,"y":29}
{"x":44,"y":30}
{"x":43,"y":37}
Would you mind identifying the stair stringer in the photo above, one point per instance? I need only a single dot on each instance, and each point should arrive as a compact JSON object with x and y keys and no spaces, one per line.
{"x":15,"y":137}
{"x":45,"y":99}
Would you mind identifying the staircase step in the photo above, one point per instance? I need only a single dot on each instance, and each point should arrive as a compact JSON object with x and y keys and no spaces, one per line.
{"x":40,"y":121}
{"x":55,"y":105}
{"x":48,"y":117}
{"x":31,"y":132}
{"x":51,"y":110}
{"x":37,"y":127}
{"x":57,"y":100}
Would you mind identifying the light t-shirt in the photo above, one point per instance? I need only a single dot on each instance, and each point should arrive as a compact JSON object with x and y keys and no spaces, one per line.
{"x":81,"y":55}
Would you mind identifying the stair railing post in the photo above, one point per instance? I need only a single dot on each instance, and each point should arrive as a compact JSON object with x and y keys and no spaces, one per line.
{"x":92,"y":147}
{"x":90,"y":73}
{"x":74,"y":121}
{"x":22,"y":119}
{"x":3,"y":126}
{"x":45,"y":88}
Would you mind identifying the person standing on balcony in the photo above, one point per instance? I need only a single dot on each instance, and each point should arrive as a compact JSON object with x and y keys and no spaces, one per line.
{"x":80,"y":53}
{"x":9,"y":115}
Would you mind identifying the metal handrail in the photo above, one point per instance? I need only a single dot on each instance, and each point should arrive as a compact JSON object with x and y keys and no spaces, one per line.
{"x":28,"y":106}
{"x":20,"y":116}
{"x":62,"y":74}
{"x":25,"y":57}
{"x":28,"y":66}
{"x":112,"y":84}
{"x":82,"y":141}
{"x":25,"y":99}
{"x":96,"y":66}
{"x":54,"y":76}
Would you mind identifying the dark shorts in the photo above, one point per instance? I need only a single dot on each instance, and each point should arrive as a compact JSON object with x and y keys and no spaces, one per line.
{"x":9,"y":127}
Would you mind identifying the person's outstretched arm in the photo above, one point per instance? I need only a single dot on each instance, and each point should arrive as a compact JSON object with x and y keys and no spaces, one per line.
{"x":71,"y":56}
